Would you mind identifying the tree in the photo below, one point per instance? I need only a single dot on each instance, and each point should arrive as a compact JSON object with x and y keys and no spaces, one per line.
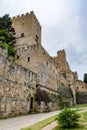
{"x":7,"y":34}
{"x":85,"y":78}
{"x":5,"y":22}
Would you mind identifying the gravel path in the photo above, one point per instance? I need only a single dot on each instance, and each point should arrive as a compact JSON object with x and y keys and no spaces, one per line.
{"x":17,"y":123}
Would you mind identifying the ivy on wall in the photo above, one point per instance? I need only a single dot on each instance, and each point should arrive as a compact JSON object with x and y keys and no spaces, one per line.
{"x":65,"y":94}
{"x":42,"y":95}
{"x":62,"y":99}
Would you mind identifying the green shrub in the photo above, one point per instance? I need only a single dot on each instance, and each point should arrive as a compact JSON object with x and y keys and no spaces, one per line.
{"x":4,"y":45}
{"x":11,"y":51}
{"x":68,"y":118}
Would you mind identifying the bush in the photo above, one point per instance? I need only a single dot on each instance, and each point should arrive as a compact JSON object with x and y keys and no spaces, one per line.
{"x":11,"y":51}
{"x":68,"y":118}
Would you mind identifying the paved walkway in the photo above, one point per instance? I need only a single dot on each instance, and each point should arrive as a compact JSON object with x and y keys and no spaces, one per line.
{"x":17,"y":123}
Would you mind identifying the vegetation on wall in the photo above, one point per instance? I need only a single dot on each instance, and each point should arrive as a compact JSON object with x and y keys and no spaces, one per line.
{"x":65,"y":94}
{"x":62,"y":99}
{"x":42,"y":95}
{"x":7,"y":34}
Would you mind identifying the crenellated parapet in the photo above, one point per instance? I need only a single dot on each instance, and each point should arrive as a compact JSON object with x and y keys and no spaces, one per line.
{"x":61,"y":54}
{"x":31,"y":48}
{"x":26,"y":15}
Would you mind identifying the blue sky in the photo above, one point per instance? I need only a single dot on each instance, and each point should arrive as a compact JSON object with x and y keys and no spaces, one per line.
{"x":63,"y":26}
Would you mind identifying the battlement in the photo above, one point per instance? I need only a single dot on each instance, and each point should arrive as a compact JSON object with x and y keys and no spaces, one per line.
{"x":22,"y":15}
{"x":34,"y":48}
{"x":27,"y":48}
{"x":61,"y":52}
{"x":27,"y":15}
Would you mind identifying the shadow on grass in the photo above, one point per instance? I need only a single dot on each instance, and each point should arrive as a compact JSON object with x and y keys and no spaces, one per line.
{"x":79,"y":128}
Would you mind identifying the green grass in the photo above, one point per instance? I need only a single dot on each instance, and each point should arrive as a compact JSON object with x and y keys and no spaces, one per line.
{"x":41,"y":124}
{"x":83,"y":121}
{"x":80,"y":106}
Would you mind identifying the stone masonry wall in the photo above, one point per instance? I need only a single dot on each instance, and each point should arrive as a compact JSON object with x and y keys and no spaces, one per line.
{"x":14,"y":98}
{"x":15,"y":72}
{"x":41,"y":63}
{"x":80,"y":86}
{"x":17,"y":87}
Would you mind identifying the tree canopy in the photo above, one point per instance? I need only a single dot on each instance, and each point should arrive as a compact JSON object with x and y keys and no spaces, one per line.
{"x":7,"y":34}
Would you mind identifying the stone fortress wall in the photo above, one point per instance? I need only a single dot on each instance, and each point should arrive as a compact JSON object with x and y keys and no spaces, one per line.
{"x":37,"y":55}
{"x":17,"y":86}
{"x":32,"y":67}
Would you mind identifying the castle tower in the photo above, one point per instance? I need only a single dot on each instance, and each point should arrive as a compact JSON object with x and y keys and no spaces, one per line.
{"x":75,"y":75}
{"x":60,"y":60}
{"x":28,"y":29}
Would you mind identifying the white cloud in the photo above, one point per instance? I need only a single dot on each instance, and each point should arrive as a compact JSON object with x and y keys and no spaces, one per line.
{"x":63,"y":25}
